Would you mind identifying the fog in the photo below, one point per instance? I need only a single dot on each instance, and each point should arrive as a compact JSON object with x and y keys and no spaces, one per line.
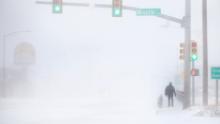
{"x":85,"y":51}
{"x":84,"y":56}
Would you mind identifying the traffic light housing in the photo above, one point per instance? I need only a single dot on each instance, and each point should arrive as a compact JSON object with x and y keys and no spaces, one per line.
{"x":182,"y":47}
{"x":194,"y":55}
{"x":117,"y":8}
{"x":57,"y":6}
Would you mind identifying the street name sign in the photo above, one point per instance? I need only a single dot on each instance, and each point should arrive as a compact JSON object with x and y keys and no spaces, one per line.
{"x":148,"y":12}
{"x":215,"y":73}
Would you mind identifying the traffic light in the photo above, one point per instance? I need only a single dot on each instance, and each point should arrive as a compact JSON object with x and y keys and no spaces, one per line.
{"x":181,"y":56}
{"x":194,"y":55}
{"x":195,"y":72}
{"x":57,"y":6}
{"x":117,"y":8}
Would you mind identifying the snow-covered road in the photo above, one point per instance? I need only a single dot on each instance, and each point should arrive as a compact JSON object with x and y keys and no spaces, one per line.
{"x":93,"y":112}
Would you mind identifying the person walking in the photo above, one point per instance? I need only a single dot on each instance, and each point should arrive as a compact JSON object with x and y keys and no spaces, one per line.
{"x":170,"y":92}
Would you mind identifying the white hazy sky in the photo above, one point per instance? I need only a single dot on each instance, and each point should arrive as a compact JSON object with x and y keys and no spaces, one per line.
{"x":88,"y":45}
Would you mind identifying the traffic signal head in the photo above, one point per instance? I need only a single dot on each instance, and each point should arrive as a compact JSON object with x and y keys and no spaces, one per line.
{"x":194,"y":55}
{"x":117,"y":12}
{"x":117,"y":8}
{"x":57,"y":6}
{"x":181,"y":52}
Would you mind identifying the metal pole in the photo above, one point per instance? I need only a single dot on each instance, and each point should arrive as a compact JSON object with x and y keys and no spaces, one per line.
{"x":216,"y":92}
{"x":3,"y":68}
{"x":205,"y":54}
{"x":193,"y":85}
{"x":187,"y":87}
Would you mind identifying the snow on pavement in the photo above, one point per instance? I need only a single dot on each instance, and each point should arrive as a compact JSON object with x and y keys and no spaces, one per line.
{"x":93,"y":111}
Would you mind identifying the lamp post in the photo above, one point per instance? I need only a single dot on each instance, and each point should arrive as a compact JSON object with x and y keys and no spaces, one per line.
{"x":4,"y":57}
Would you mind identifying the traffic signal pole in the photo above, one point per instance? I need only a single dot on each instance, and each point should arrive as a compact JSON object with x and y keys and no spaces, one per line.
{"x":187,"y":74}
{"x":193,"y":85}
{"x":64,"y":3}
{"x":205,"y":53}
{"x":185,"y":22}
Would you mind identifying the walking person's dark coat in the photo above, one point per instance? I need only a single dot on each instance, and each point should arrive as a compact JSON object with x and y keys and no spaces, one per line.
{"x":170,"y":92}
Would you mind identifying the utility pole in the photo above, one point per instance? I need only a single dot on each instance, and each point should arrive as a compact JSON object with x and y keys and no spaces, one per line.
{"x":216,"y":93}
{"x":3,"y":69}
{"x":205,"y":53}
{"x":187,"y":82}
{"x":193,"y":85}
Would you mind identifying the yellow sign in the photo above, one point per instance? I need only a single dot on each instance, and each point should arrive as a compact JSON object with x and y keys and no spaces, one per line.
{"x":24,"y":53}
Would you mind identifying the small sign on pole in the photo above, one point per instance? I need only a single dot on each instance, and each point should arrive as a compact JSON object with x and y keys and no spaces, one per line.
{"x":195,"y":72}
{"x":148,"y":12}
{"x":215,"y":74}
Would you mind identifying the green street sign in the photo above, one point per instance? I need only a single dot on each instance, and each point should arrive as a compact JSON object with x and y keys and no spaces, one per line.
{"x":215,"y":73}
{"x":148,"y":12}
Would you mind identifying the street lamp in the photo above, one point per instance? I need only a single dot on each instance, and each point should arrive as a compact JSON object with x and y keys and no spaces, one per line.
{"x":4,"y":56}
